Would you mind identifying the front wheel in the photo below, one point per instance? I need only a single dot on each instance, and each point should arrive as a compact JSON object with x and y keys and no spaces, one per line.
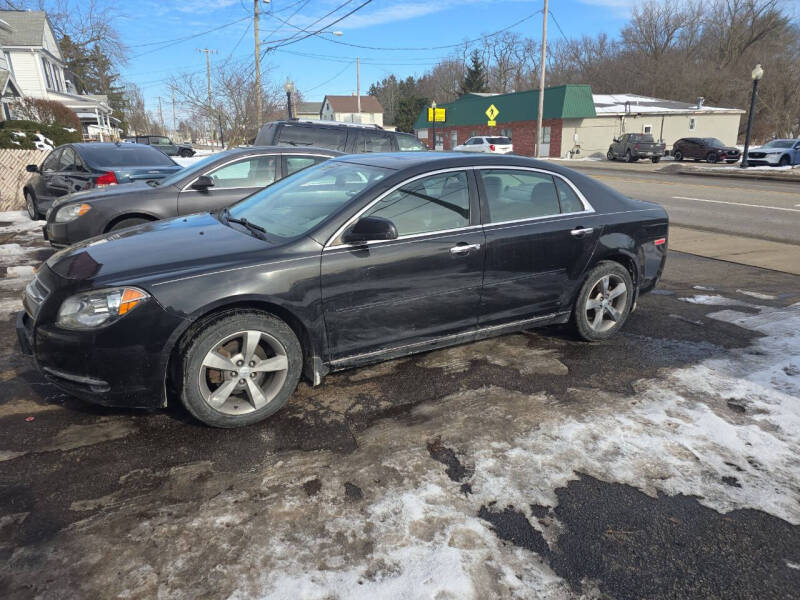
{"x":125,"y":223}
{"x":610,"y":155}
{"x":604,"y":302}
{"x":241,"y":369}
{"x":712,"y":157}
{"x":784,"y":161}
{"x":186,"y":153}
{"x":30,"y":206}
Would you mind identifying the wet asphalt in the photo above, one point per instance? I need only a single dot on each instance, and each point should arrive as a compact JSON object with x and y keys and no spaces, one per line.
{"x":57,"y":453}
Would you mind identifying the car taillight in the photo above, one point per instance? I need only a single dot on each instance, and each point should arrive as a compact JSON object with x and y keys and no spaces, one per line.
{"x":491,"y":147}
{"x":108,"y":178}
{"x":660,"y":242}
{"x":636,"y":146}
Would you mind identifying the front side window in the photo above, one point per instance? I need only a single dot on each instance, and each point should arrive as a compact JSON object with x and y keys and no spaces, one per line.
{"x":255,"y":171}
{"x":434,"y":203}
{"x":296,"y":204}
{"x":408,"y":143}
{"x":514,"y":195}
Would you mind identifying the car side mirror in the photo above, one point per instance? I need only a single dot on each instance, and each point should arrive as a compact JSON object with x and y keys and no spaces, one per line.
{"x":32,"y":168}
{"x":203,"y":183}
{"x":616,"y":140}
{"x":368,"y":229}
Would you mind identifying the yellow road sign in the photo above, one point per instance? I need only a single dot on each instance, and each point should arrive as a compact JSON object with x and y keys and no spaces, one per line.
{"x":439,"y":117}
{"x":491,"y":123}
{"x":492,"y":112}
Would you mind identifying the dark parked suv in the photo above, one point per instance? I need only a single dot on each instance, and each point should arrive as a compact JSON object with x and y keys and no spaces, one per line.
{"x":708,"y":149}
{"x":163,"y":143}
{"x":351,"y":138}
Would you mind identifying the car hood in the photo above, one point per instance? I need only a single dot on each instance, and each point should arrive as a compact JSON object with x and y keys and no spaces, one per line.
{"x":159,"y":250}
{"x":105,"y":193}
{"x":770,"y":150}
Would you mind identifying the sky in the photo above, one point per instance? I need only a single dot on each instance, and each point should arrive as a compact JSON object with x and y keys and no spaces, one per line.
{"x":156,"y":31}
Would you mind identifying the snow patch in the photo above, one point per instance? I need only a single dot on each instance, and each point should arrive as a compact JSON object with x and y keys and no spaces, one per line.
{"x":712,"y":300}
{"x":758,"y":295}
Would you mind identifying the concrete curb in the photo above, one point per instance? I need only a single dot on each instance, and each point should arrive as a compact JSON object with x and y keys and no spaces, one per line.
{"x":782,"y":176}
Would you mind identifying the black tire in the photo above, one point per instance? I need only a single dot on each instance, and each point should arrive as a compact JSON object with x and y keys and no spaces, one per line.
{"x":185,"y":153}
{"x":610,"y":155}
{"x":580,"y":319}
{"x":784,"y":161}
{"x":629,"y":157}
{"x":210,"y":336}
{"x":730,"y":162}
{"x":712,"y":157}
{"x":125,"y":223}
{"x":677,"y":155}
{"x":30,"y":206}
{"x":655,"y":159}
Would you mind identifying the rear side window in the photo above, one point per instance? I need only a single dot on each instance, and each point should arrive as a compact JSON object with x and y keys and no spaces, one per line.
{"x":51,"y":162}
{"x":434,"y":203}
{"x":567,"y":197}
{"x":298,"y":163}
{"x":133,"y":155}
{"x":408,"y":143}
{"x":514,"y":195}
{"x":321,"y":137}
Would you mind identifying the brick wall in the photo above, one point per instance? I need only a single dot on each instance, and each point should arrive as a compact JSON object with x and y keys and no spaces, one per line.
{"x":523,"y":134}
{"x":13,"y":176}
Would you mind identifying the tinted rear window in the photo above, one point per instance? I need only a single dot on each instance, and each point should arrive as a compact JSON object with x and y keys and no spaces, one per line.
{"x":133,"y":155}
{"x":642,"y":137}
{"x":498,"y":140}
{"x":319,"y":137}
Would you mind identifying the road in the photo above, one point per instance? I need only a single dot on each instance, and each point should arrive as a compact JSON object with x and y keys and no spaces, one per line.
{"x":753,"y":208}
{"x":661,"y":464}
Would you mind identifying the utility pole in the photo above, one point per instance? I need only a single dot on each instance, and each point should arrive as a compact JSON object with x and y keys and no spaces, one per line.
{"x":174,"y":126}
{"x":208,"y":52}
{"x":161,"y":115}
{"x":539,"y":136}
{"x":258,"y":63}
{"x":358,"y":88}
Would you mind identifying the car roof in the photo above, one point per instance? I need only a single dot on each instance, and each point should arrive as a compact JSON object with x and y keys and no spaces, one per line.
{"x":282,"y":150}
{"x":408,"y":160}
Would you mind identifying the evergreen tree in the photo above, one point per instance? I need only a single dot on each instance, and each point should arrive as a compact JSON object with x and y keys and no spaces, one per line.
{"x":475,"y":78}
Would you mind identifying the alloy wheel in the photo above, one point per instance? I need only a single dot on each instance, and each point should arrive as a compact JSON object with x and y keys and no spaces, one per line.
{"x":243,"y":372}
{"x":606,"y":302}
{"x":30,"y":206}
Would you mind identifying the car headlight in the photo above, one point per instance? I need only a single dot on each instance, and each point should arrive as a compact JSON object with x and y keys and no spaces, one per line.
{"x":89,"y":310}
{"x":71,"y":212}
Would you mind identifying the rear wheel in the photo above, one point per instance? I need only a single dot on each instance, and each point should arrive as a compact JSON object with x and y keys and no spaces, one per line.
{"x":604,"y":302}
{"x":629,"y":157}
{"x":241,"y":369}
{"x":784,"y":161}
{"x":30,"y":206}
{"x":125,"y":223}
{"x":678,"y":155}
{"x":712,"y":157}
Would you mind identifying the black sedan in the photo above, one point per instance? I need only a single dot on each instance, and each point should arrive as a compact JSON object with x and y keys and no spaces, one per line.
{"x":710,"y":150}
{"x":75,"y":167}
{"x":214,"y":182}
{"x":356,"y":260}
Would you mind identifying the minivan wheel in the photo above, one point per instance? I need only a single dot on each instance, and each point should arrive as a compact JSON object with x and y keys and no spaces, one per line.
{"x":604,"y":302}
{"x":30,"y":205}
{"x":241,"y":369}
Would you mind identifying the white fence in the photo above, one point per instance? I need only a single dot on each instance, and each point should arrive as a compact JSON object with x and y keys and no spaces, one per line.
{"x":13,"y":176}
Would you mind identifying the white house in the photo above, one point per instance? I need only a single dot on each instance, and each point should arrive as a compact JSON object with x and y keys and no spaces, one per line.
{"x":9,"y":88}
{"x":35,"y":65}
{"x":345,"y":108}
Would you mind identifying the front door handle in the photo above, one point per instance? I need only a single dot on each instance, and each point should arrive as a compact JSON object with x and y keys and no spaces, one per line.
{"x":462,"y":249}
{"x":581,"y":231}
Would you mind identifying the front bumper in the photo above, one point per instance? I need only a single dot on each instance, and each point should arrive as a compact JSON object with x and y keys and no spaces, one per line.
{"x":123,"y":364}
{"x":61,"y":235}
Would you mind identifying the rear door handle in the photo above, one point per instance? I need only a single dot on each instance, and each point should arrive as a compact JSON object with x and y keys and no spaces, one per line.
{"x":462,"y":249}
{"x":581,"y":231}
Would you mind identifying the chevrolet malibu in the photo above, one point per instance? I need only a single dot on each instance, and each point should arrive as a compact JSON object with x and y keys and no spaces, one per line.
{"x":356,"y":260}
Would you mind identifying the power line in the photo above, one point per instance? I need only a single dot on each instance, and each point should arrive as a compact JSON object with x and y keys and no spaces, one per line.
{"x":561,"y":31}
{"x":339,"y":74}
{"x":173,"y":42}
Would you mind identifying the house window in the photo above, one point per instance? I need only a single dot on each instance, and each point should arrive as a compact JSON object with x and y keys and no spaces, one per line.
{"x":453,"y":139}
{"x":48,"y":78}
{"x":506,"y":133}
{"x":648,"y":129}
{"x":691,"y":123}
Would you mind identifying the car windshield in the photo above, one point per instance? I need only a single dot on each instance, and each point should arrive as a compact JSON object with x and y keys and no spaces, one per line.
{"x":498,"y":140}
{"x":296,"y":204}
{"x":126,"y":155}
{"x":779,"y":144}
{"x":192,"y":169}
{"x":714,"y":143}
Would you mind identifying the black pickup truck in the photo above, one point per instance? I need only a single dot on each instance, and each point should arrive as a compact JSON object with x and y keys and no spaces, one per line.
{"x":634,"y":146}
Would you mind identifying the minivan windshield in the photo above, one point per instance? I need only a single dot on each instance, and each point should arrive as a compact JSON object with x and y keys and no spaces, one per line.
{"x":296,"y":204}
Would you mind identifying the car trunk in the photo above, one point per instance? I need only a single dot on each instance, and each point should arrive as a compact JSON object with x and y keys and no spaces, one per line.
{"x":130,"y":174}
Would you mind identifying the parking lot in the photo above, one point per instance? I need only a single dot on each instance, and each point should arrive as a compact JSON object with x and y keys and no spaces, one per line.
{"x":663,"y":463}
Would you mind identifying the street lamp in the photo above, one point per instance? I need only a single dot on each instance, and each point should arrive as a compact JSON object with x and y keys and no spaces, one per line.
{"x":756,"y":76}
{"x":289,"y":87}
{"x":433,"y":106}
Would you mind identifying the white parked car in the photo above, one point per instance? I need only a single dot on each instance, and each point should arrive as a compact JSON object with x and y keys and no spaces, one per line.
{"x":495,"y":144}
